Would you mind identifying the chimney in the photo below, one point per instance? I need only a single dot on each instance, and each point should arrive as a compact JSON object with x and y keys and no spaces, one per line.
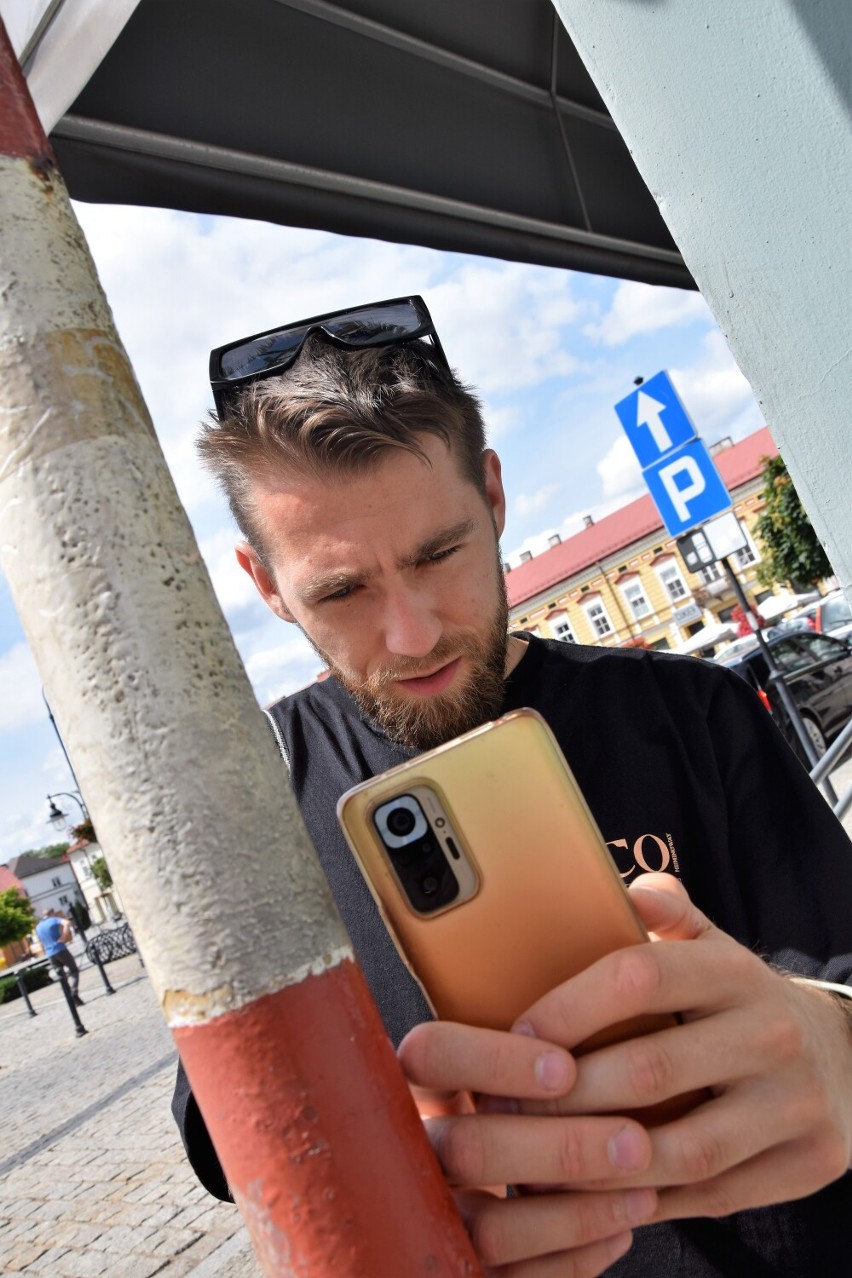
{"x":554,"y":539}
{"x":588,"y":520}
{"x":526,"y":556}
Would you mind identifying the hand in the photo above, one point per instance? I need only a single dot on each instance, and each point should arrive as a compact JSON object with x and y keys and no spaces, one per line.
{"x":776,"y":1056}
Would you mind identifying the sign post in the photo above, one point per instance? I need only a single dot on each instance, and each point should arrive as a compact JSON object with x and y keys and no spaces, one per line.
{"x":688,"y":491}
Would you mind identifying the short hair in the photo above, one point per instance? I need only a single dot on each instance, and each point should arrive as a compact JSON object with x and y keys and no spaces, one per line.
{"x":338,"y":411}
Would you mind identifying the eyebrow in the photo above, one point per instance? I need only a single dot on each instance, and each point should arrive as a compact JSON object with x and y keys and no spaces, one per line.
{"x":320,"y":586}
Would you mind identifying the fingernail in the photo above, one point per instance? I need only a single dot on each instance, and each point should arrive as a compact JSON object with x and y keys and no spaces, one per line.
{"x":523,"y":1027}
{"x":551,"y":1071}
{"x":640,"y":1205}
{"x":628,"y":1150}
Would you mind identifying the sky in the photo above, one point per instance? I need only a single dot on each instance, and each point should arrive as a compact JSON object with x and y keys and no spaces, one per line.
{"x":549,"y":351}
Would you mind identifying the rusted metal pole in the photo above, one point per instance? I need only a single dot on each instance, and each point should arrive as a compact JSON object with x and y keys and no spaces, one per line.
{"x":319,"y":1139}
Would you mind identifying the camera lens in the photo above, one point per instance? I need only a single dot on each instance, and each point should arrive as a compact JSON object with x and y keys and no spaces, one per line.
{"x":401,"y":821}
{"x":429,"y":885}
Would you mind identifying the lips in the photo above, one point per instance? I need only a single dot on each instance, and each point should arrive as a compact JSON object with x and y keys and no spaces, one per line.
{"x":429,"y":685}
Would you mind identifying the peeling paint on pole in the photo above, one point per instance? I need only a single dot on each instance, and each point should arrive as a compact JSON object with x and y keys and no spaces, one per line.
{"x":282,"y":1043}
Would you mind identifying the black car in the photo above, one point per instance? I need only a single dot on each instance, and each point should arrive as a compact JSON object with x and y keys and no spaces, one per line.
{"x":818,"y":673}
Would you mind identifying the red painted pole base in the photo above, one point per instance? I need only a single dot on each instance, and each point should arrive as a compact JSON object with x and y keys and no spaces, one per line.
{"x":319,"y":1137}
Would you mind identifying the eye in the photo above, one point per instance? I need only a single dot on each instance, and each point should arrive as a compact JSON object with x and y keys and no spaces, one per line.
{"x":440,"y":555}
{"x":343,"y":593}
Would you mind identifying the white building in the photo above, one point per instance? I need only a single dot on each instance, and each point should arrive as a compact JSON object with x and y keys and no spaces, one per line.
{"x":50,"y":883}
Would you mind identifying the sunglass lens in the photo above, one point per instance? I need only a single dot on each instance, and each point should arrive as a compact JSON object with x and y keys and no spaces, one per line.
{"x":261,"y":353}
{"x":376,"y":325}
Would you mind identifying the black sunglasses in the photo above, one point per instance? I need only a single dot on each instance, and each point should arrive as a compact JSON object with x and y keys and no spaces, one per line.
{"x":402,"y":319}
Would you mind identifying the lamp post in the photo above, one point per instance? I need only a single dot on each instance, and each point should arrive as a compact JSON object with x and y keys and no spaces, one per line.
{"x":59,"y":820}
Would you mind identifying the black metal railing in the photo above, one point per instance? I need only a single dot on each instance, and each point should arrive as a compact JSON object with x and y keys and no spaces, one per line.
{"x":116,"y":943}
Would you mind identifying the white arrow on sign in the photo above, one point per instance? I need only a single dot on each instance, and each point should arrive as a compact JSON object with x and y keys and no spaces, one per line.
{"x":648,"y":412}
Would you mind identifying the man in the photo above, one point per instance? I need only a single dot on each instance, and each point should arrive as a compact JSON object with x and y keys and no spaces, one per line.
{"x":54,"y":933}
{"x":355,"y":465}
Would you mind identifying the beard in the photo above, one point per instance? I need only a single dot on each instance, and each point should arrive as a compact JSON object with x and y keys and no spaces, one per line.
{"x":421,"y":723}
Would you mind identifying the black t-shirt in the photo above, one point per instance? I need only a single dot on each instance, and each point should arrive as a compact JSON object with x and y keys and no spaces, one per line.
{"x":685,"y":772}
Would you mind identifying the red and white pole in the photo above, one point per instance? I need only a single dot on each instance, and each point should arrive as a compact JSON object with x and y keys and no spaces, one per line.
{"x":306,"y":1106}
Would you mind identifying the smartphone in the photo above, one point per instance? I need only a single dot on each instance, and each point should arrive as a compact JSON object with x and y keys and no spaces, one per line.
{"x":491,"y":874}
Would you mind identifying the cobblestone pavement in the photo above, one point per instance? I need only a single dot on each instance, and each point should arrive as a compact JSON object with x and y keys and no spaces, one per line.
{"x":93,"y":1179}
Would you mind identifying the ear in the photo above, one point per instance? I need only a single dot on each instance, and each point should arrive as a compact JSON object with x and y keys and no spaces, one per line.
{"x":494,"y":488}
{"x":250,"y":562}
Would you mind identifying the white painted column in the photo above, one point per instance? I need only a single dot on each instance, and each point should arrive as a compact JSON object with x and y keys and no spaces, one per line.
{"x":737,"y":113}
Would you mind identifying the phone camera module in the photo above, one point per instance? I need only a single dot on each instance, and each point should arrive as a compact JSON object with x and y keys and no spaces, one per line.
{"x":400,"y":821}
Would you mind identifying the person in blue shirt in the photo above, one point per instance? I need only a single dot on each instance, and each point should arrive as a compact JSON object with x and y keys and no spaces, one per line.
{"x":54,"y":933}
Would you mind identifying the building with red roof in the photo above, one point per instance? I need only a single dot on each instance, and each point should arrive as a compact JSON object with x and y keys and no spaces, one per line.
{"x":622,"y":581}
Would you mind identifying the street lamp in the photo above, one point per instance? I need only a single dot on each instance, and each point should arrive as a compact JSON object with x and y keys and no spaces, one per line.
{"x":56,"y":817}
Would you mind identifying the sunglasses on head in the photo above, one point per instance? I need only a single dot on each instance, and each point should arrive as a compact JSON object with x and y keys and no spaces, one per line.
{"x":392,"y":323}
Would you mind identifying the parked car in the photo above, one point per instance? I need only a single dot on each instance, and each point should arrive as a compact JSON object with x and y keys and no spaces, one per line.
{"x":831,"y":615}
{"x":818,"y":672}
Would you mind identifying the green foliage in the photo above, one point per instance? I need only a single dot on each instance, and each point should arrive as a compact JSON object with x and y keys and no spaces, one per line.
{"x":100,"y":870}
{"x":35,"y":978}
{"x":85,"y":830}
{"x":791,"y":549}
{"x":51,"y":850}
{"x":17,"y":916}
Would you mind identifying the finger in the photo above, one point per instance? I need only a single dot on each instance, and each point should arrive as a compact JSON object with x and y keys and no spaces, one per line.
{"x":507,"y":1149}
{"x":666,"y":910}
{"x":445,"y":1057}
{"x":586,"y":1262}
{"x":639,"y":1072}
{"x":777,"y":1175}
{"x":517,"y":1228}
{"x":690,"y":977}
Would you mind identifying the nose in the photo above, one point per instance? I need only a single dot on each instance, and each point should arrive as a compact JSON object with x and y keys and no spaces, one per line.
{"x":411,"y":625}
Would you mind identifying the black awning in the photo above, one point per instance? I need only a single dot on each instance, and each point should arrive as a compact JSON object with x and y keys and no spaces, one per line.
{"x":468,"y":125}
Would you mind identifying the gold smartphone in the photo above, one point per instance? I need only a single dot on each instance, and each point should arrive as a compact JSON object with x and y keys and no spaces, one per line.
{"x":491,"y":874}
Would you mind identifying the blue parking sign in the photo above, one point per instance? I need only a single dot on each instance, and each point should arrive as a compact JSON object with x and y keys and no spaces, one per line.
{"x":686,"y":487}
{"x":654,"y":419}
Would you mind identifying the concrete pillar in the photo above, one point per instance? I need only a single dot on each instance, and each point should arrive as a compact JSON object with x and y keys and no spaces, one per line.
{"x":737,"y":115}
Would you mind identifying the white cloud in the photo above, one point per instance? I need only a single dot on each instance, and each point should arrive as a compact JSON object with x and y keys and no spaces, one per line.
{"x":234,"y":588}
{"x":619,"y":470}
{"x":21,"y":703}
{"x":532,"y":503}
{"x":645,"y":308}
{"x":717,"y":395}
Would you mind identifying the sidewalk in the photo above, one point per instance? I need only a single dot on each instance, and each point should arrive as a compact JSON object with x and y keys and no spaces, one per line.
{"x":94,"y":1179}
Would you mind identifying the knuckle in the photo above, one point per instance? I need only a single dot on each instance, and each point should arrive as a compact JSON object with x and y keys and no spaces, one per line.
{"x":717,"y":1201}
{"x":785,"y":1039}
{"x":650,"y":1069}
{"x":572,"y":1153}
{"x":700,"y":1156}
{"x":638,"y":975}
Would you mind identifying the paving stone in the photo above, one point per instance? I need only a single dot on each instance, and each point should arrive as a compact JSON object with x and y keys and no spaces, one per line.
{"x":95,"y":1182}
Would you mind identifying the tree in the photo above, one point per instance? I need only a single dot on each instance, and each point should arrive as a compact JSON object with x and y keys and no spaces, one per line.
{"x":17,"y":916}
{"x":792,"y":551}
{"x":51,"y":850}
{"x":100,"y":869}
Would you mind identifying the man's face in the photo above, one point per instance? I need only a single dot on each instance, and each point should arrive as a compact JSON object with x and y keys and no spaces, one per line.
{"x":394,"y":576}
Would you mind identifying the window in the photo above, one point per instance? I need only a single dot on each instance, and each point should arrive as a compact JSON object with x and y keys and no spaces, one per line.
{"x":636,"y":598}
{"x":672,"y":582}
{"x":562,"y":630}
{"x":87,"y":870}
{"x":56,"y":883}
{"x":743,"y":558}
{"x":598,"y":618}
{"x":712,"y":572}
{"x":63,"y":900}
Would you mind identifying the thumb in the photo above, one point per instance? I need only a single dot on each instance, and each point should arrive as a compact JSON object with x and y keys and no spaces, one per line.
{"x":663,"y":905}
